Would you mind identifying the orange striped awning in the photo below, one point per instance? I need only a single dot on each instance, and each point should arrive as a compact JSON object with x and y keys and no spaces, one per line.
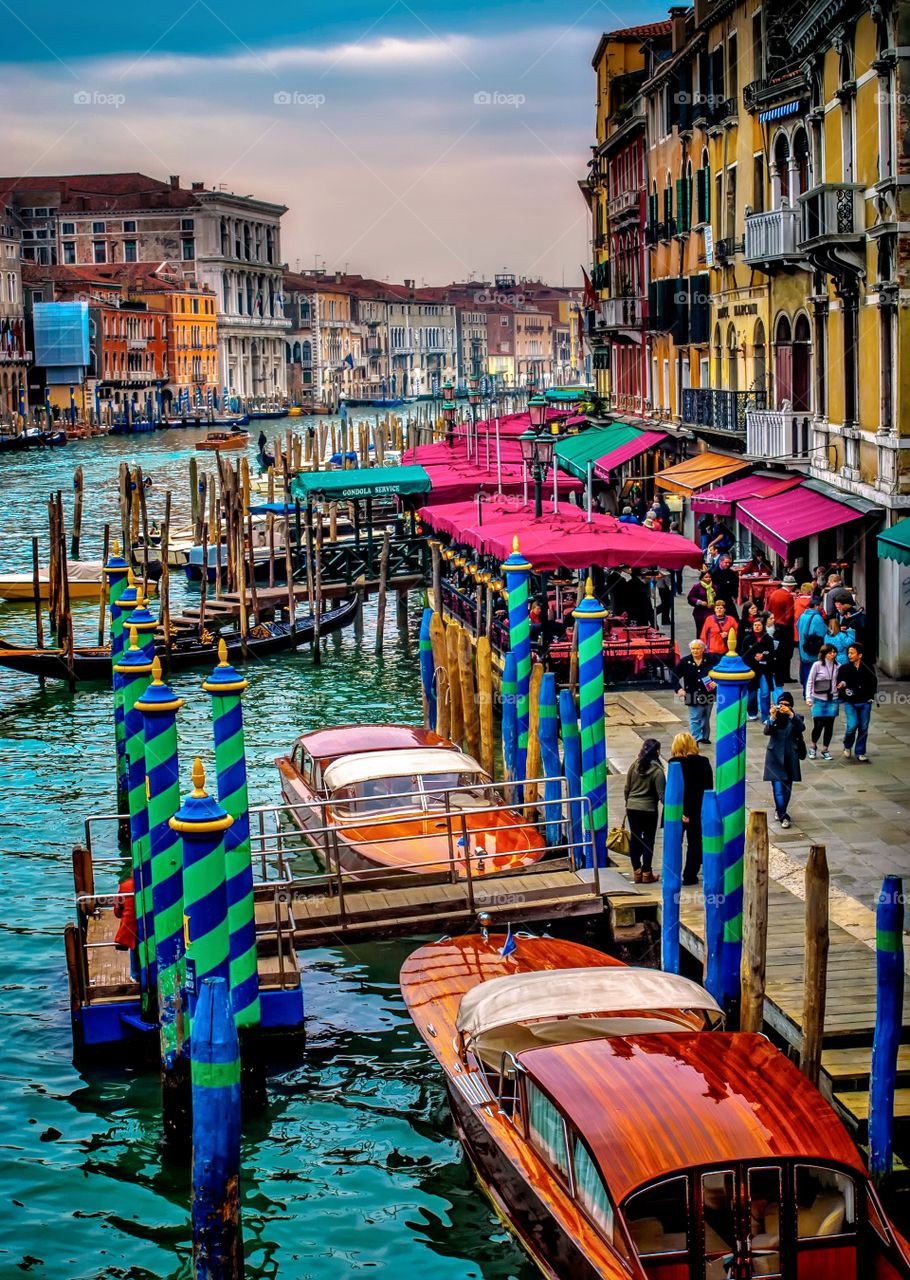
{"x":700,"y":472}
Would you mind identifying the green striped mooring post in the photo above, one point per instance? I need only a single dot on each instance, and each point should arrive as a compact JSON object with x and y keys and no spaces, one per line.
{"x":518,"y":573}
{"x":589,"y":617}
{"x":134,"y":669}
{"x":226,"y":686}
{"x":158,"y":706}
{"x":202,"y":822}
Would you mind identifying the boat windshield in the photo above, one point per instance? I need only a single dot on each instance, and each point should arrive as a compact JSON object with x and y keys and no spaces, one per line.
{"x":405,"y":792}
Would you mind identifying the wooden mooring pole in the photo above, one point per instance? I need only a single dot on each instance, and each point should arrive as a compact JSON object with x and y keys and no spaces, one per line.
{"x":755,"y":924}
{"x":78,"y":495}
{"x":816,"y":972}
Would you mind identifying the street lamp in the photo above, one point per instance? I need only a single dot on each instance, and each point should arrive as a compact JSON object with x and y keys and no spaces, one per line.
{"x":448,"y":410}
{"x":537,"y":411}
{"x":537,"y":456}
{"x":473,"y":401}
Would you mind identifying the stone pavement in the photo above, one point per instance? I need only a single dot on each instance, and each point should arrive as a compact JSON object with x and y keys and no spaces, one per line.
{"x":859,"y":812}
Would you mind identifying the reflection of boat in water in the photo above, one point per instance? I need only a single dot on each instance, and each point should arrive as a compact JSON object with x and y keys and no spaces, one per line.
{"x":85,"y":578}
{"x":620,"y":1135}
{"x":186,"y":652}
{"x":400,"y":799}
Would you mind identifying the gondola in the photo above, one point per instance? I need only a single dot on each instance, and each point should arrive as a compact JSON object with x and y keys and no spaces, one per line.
{"x":192,"y":420}
{"x":95,"y":663}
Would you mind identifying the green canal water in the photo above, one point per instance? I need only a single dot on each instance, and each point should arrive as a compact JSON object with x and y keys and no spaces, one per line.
{"x":354,"y":1166}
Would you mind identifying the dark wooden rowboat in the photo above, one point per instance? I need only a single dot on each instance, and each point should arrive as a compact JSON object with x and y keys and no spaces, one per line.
{"x":95,"y":663}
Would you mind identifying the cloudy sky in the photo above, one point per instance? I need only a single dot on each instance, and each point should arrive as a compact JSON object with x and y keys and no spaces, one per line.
{"x":408,"y":140}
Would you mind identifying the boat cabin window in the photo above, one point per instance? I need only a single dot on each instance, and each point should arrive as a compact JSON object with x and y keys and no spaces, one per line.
{"x":546,"y":1129}
{"x":593,"y":1196}
{"x":377,"y":795}
{"x":718,"y":1198}
{"x":825,"y":1202}
{"x":658,"y":1217}
{"x":765,"y":1194}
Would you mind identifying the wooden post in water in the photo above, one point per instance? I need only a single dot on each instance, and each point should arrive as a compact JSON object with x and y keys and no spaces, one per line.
{"x":164,"y":586}
{"x":204,"y":584}
{"x":816,"y":973}
{"x":383,"y":590}
{"x":532,"y":759}
{"x":485,"y":703}
{"x":103,"y":597}
{"x":53,"y":577}
{"x":289,"y":572}
{"x":215,"y":1072}
{"x":36,"y":587}
{"x":889,"y":1008}
{"x":456,"y":718}
{"x":755,"y":924}
{"x":194,"y":494}
{"x":317,"y":587}
{"x":202,"y":506}
{"x":78,"y":495}
{"x":254,"y":591}
{"x":441,"y":672}
{"x":123,"y":494}
{"x":143,"y":513}
{"x":401,"y":619}
{"x":469,"y":710}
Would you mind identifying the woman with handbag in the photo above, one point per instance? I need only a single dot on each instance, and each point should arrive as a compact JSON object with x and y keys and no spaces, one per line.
{"x":644,"y":792}
{"x":698,"y":777}
{"x":786,"y":747}
{"x":822,"y":699}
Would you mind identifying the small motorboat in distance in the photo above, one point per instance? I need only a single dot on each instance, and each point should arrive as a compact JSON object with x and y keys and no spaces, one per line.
{"x":238,"y":439}
{"x":622,"y":1135}
{"x":397,"y":798}
{"x":84,"y":576}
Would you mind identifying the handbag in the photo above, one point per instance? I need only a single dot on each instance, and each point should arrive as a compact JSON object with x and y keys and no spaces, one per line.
{"x":619,"y":840}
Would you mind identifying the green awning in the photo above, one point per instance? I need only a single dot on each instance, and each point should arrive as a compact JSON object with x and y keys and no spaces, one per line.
{"x":575,"y":452}
{"x":567,"y":395}
{"x":362,"y":482}
{"x":894,"y":543}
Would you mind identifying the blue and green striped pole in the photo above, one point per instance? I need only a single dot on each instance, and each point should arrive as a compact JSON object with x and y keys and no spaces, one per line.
{"x":889,"y":1009}
{"x":671,"y":868}
{"x":589,"y":618}
{"x":571,"y":767}
{"x":117,"y":572}
{"x":518,"y":573}
{"x":134,"y":669}
{"x":548,"y":733}
{"x":732,"y":677}
{"x":427,"y":669}
{"x":226,"y":686}
{"x":509,"y":722}
{"x":712,"y":836}
{"x":126,"y":604}
{"x":202,"y":822}
{"x":217,"y":1234}
{"x":158,"y":706}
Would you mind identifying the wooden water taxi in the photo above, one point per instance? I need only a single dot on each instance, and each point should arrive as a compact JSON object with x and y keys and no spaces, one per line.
{"x":219,"y":440}
{"x":397,"y":798}
{"x":620,"y":1135}
{"x":85,"y":579}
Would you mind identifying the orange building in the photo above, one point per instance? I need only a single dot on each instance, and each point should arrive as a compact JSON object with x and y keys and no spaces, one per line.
{"x":192,"y":328}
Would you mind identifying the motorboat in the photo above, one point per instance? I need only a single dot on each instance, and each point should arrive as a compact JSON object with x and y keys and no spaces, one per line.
{"x":622,"y":1134}
{"x":85,"y":578}
{"x":219,"y":440}
{"x":398,"y":798}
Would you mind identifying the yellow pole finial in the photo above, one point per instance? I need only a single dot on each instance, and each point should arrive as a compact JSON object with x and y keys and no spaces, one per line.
{"x":130,"y":578}
{"x":222,"y":653}
{"x":141,"y":600}
{"x":115,"y":549}
{"x":589,"y":589}
{"x":156,"y":670}
{"x":198,"y":776}
{"x":515,"y":544}
{"x":134,"y":638}
{"x":731,"y":640}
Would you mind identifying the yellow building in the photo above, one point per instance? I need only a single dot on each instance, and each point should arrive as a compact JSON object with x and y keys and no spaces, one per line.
{"x":192,"y":328}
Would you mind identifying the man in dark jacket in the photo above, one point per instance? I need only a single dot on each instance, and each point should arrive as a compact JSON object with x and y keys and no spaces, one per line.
{"x":782,"y":756}
{"x":857,"y":685}
{"x":696,"y":688}
{"x":726,"y":584}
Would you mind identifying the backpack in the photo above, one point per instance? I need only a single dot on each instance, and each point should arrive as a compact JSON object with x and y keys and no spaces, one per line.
{"x":812,"y":643}
{"x":801,"y":752}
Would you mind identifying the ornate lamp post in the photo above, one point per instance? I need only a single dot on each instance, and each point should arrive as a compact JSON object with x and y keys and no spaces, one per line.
{"x":537,"y":445}
{"x":448,"y":410}
{"x":473,"y":401}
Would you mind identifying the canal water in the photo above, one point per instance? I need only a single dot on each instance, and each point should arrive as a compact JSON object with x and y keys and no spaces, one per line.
{"x":354,"y":1167}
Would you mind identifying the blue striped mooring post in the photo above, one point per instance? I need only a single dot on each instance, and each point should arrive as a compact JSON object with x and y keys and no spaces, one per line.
{"x":427,"y":669}
{"x":712,"y":834}
{"x":158,"y":706}
{"x":671,"y":868}
{"x":589,"y":618}
{"x":548,"y":733}
{"x":509,"y":720}
{"x":217,"y":1233}
{"x":571,"y":767}
{"x":226,"y":686}
{"x":889,"y":1009}
{"x":518,"y":573}
{"x":117,"y":572}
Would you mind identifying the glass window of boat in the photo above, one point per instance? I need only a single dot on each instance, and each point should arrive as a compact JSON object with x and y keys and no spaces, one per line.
{"x":765,"y":1191}
{"x":658,"y":1217}
{"x":592,"y":1194}
{"x":546,"y":1129}
{"x":719,"y":1209}
{"x":825,"y":1202}
{"x":378,"y":795}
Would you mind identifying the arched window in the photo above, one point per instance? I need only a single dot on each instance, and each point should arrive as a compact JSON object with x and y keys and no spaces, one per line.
{"x":759,"y":358}
{"x":781,"y":169}
{"x":718,"y":358}
{"x":801,"y":162}
{"x":732,"y":359}
{"x":783,"y":362}
{"x":306,"y":353}
{"x":885,"y":97}
{"x":802,"y":364}
{"x":296,"y":353}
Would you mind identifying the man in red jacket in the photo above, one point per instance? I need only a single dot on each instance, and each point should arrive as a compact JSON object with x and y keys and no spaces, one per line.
{"x":715,"y":633}
{"x":127,"y":936}
{"x":781,"y":603}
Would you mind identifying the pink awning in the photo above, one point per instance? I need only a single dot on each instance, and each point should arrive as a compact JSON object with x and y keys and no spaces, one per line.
{"x":564,"y":540}
{"x":720,"y":501}
{"x":784,"y":518}
{"x":631,"y":449}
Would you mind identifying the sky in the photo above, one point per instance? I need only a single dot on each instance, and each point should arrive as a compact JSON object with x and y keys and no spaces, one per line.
{"x":431,"y":142}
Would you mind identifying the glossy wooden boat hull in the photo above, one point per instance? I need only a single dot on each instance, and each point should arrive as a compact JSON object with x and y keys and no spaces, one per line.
{"x":21,"y":587}
{"x":235,"y":442}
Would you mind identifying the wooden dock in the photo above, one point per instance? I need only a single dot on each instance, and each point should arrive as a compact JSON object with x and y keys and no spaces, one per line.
{"x":850,"y":1003}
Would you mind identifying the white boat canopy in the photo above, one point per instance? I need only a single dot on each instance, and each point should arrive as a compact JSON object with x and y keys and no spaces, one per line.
{"x":567,"y":993}
{"x":408,"y":762}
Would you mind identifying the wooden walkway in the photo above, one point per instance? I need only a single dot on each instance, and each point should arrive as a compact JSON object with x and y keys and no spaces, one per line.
{"x":849,"y":1006}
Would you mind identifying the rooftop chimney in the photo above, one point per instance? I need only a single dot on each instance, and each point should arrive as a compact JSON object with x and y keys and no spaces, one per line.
{"x":174,"y":180}
{"x":409,"y":284}
{"x":198,"y":186}
{"x":678,"y":26}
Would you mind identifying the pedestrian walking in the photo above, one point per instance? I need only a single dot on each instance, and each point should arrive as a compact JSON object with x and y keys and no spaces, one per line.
{"x":857,"y":685}
{"x":717,"y":629}
{"x":781,"y":603}
{"x":696,"y":688}
{"x":759,"y":651}
{"x":822,"y":699}
{"x":644,"y":793}
{"x":127,"y":936}
{"x":786,"y":747}
{"x":698,"y":777}
{"x":812,"y":633}
{"x":726,"y":583}
{"x":701,"y":598}
{"x":841,"y":637}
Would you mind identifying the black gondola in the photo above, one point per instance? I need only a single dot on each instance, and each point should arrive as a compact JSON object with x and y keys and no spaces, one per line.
{"x":95,"y":663}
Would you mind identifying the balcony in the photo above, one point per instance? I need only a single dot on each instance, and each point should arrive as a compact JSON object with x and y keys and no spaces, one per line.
{"x":723,"y":411}
{"x":625,"y":203}
{"x":833,"y":227}
{"x":15,"y":357}
{"x":621,"y":313}
{"x":778,"y":433}
{"x":773,"y":237}
{"x":727,"y":249}
{"x":235,"y":321}
{"x":136,"y":344}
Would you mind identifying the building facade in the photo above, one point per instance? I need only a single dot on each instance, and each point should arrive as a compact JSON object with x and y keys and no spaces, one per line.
{"x":14,"y":356}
